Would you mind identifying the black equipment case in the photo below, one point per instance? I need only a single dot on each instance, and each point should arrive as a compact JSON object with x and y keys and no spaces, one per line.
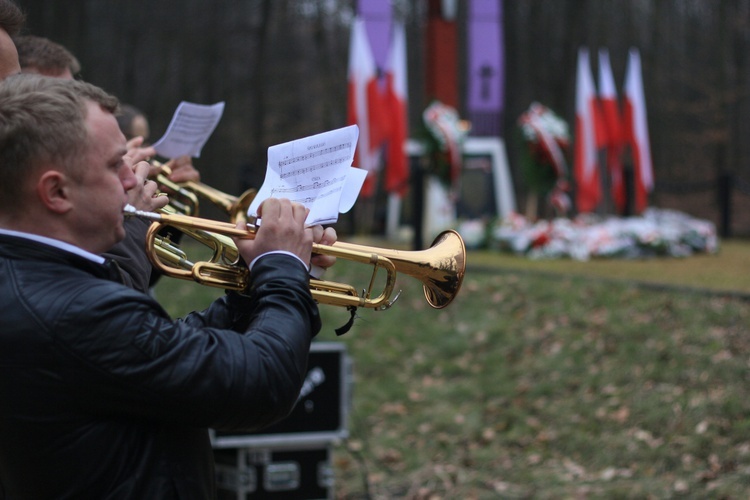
{"x":292,"y":458}
{"x":304,"y":473}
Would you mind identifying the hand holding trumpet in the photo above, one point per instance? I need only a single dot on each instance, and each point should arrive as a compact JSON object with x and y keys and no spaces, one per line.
{"x":323,"y":236}
{"x":145,"y":194}
{"x":283,"y":230}
{"x":181,"y":169}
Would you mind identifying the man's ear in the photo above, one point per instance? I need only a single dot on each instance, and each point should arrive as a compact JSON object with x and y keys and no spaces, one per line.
{"x":53,"y":190}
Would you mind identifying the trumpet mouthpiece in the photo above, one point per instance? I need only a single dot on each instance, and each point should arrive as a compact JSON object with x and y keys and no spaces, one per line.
{"x":130,"y":210}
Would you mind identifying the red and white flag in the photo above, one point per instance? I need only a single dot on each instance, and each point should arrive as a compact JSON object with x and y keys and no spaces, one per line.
{"x":586,"y":167}
{"x":362,"y":90}
{"x":636,"y":131}
{"x":397,"y":165}
{"x":611,"y":135}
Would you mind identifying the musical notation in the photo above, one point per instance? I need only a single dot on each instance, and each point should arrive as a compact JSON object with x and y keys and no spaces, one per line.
{"x":190,"y":128}
{"x":317,"y":185}
{"x":311,"y":199}
{"x":316,"y":154}
{"x":314,"y":168}
{"x":319,"y":178}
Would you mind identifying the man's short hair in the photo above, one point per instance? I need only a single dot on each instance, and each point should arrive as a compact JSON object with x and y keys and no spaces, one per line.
{"x":11,"y":17}
{"x":43,"y":121}
{"x":44,"y":56}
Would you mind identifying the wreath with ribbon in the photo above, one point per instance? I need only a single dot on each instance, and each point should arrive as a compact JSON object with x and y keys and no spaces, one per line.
{"x":446,"y":132}
{"x":545,"y":168}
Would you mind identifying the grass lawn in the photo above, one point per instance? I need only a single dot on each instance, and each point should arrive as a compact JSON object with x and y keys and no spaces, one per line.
{"x":726,"y":271}
{"x":548,"y":379}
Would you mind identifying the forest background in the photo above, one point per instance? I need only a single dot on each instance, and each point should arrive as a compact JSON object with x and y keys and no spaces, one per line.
{"x":281,"y":68}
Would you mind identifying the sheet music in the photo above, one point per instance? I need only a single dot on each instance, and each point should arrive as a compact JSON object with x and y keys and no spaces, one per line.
{"x":190,"y":128}
{"x":315,"y":171}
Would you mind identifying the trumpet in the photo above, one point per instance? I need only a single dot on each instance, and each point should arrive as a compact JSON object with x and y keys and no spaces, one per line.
{"x":182,"y":199}
{"x":186,"y":199}
{"x":440,"y":268}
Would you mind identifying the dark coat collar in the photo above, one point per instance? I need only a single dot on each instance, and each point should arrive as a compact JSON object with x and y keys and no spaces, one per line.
{"x":15,"y":248}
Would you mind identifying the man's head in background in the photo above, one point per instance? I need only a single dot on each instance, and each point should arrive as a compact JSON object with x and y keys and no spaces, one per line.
{"x":133,"y":122}
{"x":11,"y":22}
{"x":41,"y":55}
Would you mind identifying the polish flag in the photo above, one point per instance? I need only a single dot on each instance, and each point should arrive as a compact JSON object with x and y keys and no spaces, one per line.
{"x":613,"y":139}
{"x":636,"y":131}
{"x":585,"y":168}
{"x":362,"y":90}
{"x":397,"y":166}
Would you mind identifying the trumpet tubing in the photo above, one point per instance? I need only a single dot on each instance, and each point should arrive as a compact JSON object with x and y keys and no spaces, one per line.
{"x":440,"y":268}
{"x":187,"y":201}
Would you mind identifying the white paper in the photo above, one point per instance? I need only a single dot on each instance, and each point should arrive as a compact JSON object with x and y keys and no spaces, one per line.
{"x":190,"y":128}
{"x":355,"y":178}
{"x":315,"y":171}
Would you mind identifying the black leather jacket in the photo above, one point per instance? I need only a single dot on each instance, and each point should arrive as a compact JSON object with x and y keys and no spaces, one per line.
{"x":102,"y":395}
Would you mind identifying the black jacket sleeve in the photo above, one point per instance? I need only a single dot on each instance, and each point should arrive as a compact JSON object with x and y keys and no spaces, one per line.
{"x":130,"y":255}
{"x":127,"y":355}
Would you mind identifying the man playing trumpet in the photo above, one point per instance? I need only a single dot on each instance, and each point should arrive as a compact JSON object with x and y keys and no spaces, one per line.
{"x":101,"y":393}
{"x":40,"y":55}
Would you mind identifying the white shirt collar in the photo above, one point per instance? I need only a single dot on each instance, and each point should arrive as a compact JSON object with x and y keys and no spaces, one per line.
{"x":55,"y":243}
